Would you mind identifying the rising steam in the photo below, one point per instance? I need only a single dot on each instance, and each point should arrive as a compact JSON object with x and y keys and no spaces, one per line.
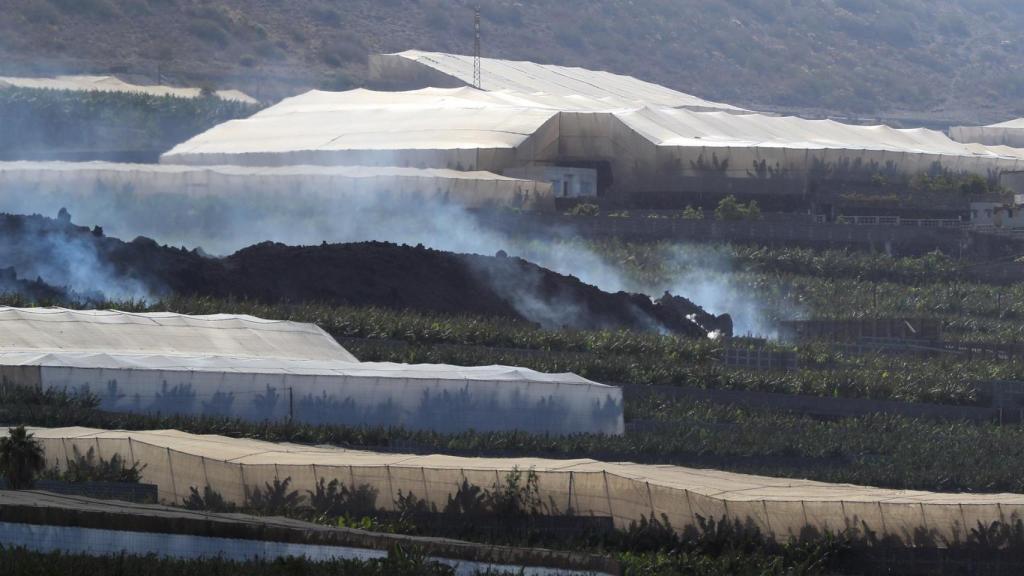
{"x":221,"y":225}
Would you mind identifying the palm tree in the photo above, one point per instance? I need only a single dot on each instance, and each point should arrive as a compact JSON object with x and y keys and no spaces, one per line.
{"x":21,"y":458}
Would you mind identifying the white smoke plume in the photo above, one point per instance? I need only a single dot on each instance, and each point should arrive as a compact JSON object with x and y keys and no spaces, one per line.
{"x":221,"y":225}
{"x":66,"y":261}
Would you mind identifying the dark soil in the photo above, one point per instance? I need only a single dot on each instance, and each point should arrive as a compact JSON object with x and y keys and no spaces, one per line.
{"x":380,"y":274}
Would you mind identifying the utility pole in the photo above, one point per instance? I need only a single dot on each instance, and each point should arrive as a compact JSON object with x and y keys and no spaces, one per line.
{"x":476,"y":48}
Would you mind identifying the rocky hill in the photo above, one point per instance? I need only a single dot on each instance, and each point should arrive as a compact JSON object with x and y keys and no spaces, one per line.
{"x":958,"y":60}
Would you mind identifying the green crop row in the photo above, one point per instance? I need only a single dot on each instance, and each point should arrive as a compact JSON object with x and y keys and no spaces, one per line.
{"x":19,"y":561}
{"x":76,"y":121}
{"x":656,"y":262}
{"x":617,"y":357}
{"x":725,"y":560}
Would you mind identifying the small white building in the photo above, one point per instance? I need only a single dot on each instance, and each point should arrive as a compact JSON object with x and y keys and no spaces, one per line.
{"x":566,"y":181}
{"x":999,"y":215}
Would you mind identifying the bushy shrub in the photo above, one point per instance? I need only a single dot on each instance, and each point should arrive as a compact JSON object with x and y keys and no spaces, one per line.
{"x":691,"y":213}
{"x":275,"y":499}
{"x":333,"y":499}
{"x":210,"y":500}
{"x":584,"y":209}
{"x":730,"y":209}
{"x":90,"y":468}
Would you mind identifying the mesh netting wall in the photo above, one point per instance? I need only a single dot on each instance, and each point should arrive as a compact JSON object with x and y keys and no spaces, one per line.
{"x":586,"y":493}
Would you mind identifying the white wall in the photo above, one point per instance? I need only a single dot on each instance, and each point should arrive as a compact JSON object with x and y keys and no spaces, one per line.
{"x":997,"y":215}
{"x":566,"y":182}
{"x":439,"y":405}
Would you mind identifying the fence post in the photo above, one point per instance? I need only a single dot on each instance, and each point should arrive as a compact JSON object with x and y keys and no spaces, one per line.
{"x":245,"y":487}
{"x":693,"y":513}
{"x":650,"y":499}
{"x":131,"y":450}
{"x":67,"y":458}
{"x":608,"y":496}
{"x":391,"y":490}
{"x":570,"y":508}
{"x":963,"y":519}
{"x":170,"y":471}
{"x":881,"y":514}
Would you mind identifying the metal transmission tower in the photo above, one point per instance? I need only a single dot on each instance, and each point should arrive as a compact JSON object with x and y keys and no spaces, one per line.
{"x":476,"y":48}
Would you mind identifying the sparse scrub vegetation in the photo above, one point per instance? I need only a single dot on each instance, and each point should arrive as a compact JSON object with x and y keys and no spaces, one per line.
{"x":88,"y":8}
{"x":916,"y":46}
{"x":584,"y":209}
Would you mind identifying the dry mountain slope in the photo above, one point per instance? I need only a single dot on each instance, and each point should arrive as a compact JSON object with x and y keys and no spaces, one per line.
{"x":955,"y":59}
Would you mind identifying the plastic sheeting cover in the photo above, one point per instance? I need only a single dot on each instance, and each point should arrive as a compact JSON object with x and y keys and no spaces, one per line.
{"x":1009,"y":133}
{"x":530,"y":77}
{"x":429,"y":119}
{"x":468,"y":128}
{"x":259,"y":370}
{"x":438,"y":398}
{"x":112,"y":331}
{"x":278,"y":186}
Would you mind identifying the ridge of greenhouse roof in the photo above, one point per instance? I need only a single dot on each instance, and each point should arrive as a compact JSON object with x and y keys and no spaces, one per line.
{"x":562,"y":81}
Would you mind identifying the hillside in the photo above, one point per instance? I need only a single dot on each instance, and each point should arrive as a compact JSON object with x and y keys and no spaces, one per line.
{"x":925,"y":59}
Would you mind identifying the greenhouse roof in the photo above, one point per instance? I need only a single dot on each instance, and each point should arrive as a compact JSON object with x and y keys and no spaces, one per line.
{"x":444,"y":119}
{"x":556,"y":81}
{"x":389,"y":371}
{"x":59,"y":330}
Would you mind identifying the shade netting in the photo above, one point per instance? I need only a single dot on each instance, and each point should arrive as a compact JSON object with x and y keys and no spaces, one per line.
{"x":780,"y":507}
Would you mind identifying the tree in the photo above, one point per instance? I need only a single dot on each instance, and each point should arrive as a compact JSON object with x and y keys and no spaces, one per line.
{"x":21,"y":458}
{"x":729,"y":209}
{"x":691,"y":213}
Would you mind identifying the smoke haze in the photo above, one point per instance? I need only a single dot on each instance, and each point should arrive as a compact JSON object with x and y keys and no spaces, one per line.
{"x":222,"y":225}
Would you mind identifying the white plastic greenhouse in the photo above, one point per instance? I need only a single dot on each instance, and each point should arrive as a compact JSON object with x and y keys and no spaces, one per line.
{"x":647,"y":147}
{"x":253,"y":369}
{"x":625,"y":492}
{"x":237,"y":187}
{"x":418,"y":69}
{"x":1009,"y":133}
